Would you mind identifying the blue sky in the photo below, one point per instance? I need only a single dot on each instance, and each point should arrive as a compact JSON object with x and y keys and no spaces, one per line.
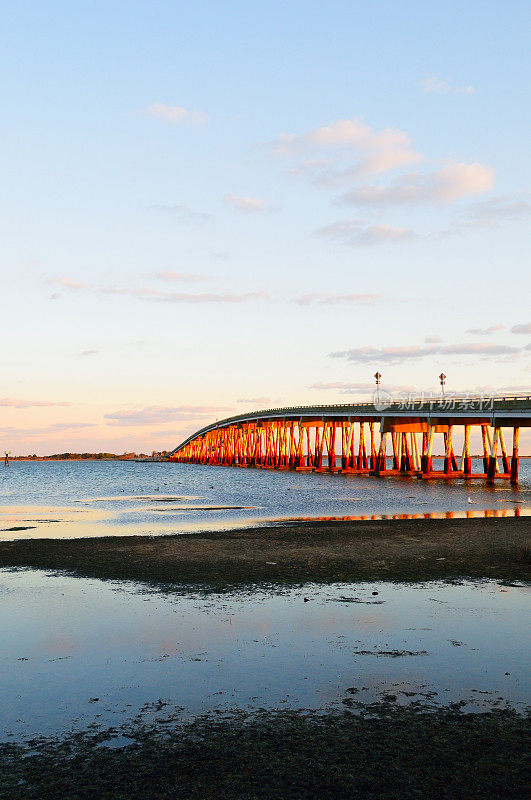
{"x":215,"y":206}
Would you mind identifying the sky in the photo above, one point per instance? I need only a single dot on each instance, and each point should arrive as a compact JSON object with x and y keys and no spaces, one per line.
{"x":215,"y":207}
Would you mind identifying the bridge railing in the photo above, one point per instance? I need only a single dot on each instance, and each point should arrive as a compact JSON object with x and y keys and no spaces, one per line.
{"x":487,"y":403}
{"x":496,"y":401}
{"x":416,"y":402}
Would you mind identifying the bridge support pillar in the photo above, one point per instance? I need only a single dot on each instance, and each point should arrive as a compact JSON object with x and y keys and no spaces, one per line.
{"x":493,"y":461}
{"x":515,"y":459}
{"x":407,"y":463}
{"x":372,"y":460}
{"x":505,"y":459}
{"x":484,"y":441}
{"x":362,"y":457}
{"x":332,"y":447}
{"x":426,"y":463}
{"x":466,"y":462}
{"x":381,"y":458}
{"x":396,"y":461}
{"x":449,"y":451}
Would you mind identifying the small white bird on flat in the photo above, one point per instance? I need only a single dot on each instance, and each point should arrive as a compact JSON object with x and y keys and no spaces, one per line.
{"x":469,"y":500}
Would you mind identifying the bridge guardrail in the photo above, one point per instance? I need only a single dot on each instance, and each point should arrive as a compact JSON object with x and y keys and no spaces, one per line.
{"x":489,"y":405}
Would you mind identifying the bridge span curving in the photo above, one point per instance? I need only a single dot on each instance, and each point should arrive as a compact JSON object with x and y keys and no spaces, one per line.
{"x":395,"y":438}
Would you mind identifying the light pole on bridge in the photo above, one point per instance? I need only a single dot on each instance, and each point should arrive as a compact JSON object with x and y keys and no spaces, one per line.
{"x":442,"y":379}
{"x":378,"y":377}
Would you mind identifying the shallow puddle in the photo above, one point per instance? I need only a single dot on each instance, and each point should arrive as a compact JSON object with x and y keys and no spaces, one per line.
{"x":50,"y":522}
{"x":75,"y":651}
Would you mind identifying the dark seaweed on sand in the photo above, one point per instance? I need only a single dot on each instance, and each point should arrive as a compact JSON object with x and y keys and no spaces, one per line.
{"x":380,"y":751}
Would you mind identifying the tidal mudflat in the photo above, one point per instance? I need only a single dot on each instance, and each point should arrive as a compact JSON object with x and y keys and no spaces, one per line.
{"x":110,"y":674}
{"x":271,"y":650}
{"x":296,"y":552}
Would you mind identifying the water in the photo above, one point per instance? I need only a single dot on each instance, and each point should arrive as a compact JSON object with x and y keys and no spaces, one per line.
{"x":95,"y":498}
{"x":77,"y":651}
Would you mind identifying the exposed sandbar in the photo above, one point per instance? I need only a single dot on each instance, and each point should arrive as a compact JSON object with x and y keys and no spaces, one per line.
{"x":397,"y":550}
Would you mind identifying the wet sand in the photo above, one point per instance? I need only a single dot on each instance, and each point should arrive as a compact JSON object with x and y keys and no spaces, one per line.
{"x":376,"y":753}
{"x":373,"y":751}
{"x":293,"y":553}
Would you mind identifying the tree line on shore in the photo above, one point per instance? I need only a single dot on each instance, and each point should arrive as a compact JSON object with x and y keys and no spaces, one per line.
{"x":89,"y":456}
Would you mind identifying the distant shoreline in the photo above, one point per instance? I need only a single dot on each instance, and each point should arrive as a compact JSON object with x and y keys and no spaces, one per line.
{"x":91,"y":457}
{"x":72,"y":458}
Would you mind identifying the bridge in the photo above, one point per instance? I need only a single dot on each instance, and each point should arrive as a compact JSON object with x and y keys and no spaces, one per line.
{"x":379,"y":438}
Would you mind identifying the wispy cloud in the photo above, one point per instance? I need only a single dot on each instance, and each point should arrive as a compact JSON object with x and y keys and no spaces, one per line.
{"x":357,"y":388}
{"x":374,"y":151}
{"x":252,"y":400}
{"x":17,"y":402}
{"x":165,"y":434}
{"x":438,"y":85}
{"x":57,"y":427}
{"x":67,"y":426}
{"x":180,"y":277}
{"x":354,"y":234}
{"x":157,"y":415}
{"x":151,"y":294}
{"x":488,"y":214}
{"x":176,"y":114}
{"x":138,"y":344}
{"x":433,"y":339}
{"x":492,"y":213}
{"x":69,"y":284}
{"x":446,"y":185}
{"x":322,"y":298}
{"x":397,"y":355}
{"x":247,"y":205}
{"x":147,"y":293}
{"x":182,"y":213}
{"x":89,"y":353}
{"x":524,"y":327}
{"x":515,"y":387}
{"x":486,"y":331}
{"x":182,"y":297}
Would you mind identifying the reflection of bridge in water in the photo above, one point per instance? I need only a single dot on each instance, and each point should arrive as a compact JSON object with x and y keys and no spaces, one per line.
{"x":367,"y":438}
{"x":484,"y":513}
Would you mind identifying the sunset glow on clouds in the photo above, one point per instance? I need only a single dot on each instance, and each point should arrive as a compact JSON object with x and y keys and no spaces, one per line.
{"x":220,"y":219}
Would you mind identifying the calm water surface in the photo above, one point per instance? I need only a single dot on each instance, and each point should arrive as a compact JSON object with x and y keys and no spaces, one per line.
{"x":77,"y":651}
{"x":61,"y":499}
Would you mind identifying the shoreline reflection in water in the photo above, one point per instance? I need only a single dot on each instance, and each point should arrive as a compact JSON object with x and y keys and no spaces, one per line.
{"x":487,"y":512}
